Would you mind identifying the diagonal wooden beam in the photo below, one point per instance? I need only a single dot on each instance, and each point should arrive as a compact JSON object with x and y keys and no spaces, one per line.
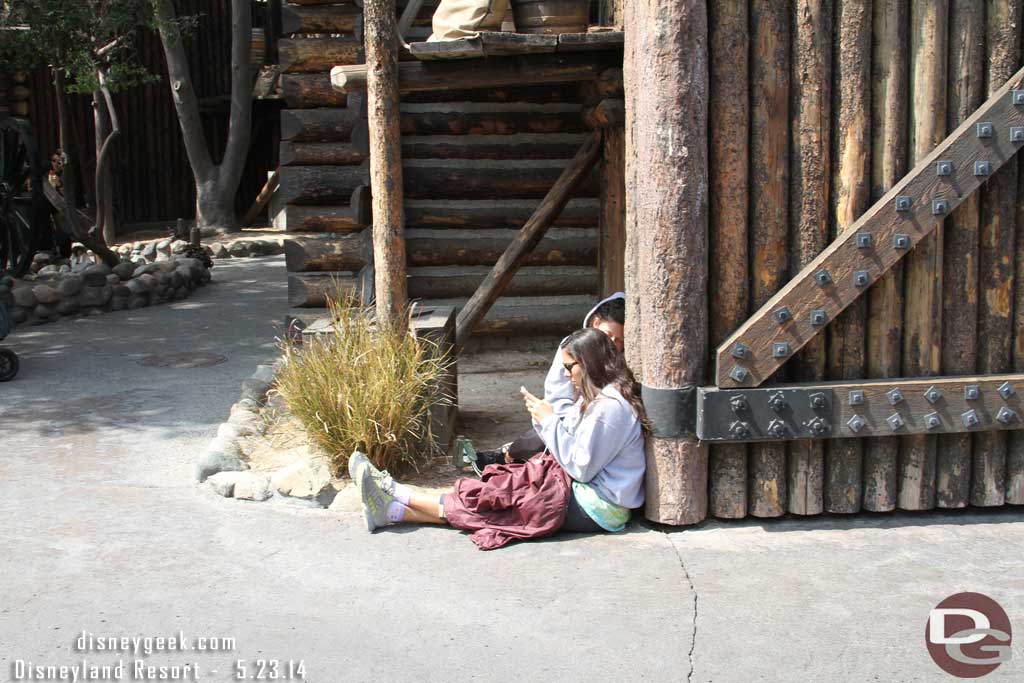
{"x":878,"y":240}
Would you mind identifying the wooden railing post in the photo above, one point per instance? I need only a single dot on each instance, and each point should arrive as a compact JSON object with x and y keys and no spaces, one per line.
{"x":667,"y":204}
{"x":380,"y":35}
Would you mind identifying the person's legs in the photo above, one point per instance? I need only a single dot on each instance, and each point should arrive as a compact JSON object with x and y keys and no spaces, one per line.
{"x":526,"y":446}
{"x":577,"y":521}
{"x":423,"y":509}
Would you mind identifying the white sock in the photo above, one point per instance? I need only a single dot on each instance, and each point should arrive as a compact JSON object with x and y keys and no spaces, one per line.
{"x":401,"y":493}
{"x":396,"y":511}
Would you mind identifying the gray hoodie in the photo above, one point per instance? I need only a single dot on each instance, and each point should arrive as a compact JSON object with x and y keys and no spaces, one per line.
{"x":557,"y":387}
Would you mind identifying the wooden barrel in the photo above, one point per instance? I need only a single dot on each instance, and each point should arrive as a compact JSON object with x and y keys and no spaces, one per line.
{"x":550,"y":16}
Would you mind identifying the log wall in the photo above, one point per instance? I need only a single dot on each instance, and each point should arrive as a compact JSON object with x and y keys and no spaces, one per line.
{"x":829,"y":126}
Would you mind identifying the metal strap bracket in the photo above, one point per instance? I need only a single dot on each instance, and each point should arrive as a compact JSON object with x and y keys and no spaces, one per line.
{"x":672,"y":412}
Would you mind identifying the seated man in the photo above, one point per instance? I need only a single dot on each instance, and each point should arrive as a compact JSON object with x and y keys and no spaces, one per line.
{"x":609,"y":316}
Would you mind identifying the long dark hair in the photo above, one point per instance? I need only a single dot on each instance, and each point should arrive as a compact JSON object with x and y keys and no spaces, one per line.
{"x":603,"y":364}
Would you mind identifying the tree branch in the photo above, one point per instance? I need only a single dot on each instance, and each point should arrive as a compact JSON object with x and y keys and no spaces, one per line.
{"x":240,"y":120}
{"x":182,"y":91}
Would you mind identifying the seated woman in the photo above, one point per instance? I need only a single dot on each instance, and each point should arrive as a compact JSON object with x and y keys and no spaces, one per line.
{"x":590,"y":478}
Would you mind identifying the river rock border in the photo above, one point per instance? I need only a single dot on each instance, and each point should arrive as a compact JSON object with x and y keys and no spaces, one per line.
{"x":97,"y":288}
{"x":153,"y":251}
{"x":223,"y":468}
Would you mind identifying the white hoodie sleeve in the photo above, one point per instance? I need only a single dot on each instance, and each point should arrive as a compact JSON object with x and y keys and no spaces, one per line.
{"x":594,"y":442}
{"x":557,"y":387}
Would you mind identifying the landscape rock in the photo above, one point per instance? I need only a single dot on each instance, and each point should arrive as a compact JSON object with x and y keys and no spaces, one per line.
{"x":222,"y":455}
{"x":219,"y":251}
{"x":179,"y":246}
{"x":255,"y":390}
{"x":223,"y":483}
{"x":96,"y":275}
{"x":96,"y":296}
{"x":149,"y":251}
{"x":49,"y":271}
{"x":24,"y":297}
{"x":113,"y":280}
{"x":253,"y":486}
{"x":239,"y":248}
{"x":18,"y":315}
{"x":124,"y":270}
{"x":46,"y":294}
{"x":68,"y":305}
{"x":44,"y":312}
{"x":305,"y":479}
{"x":264,"y":373}
{"x":70,"y":285}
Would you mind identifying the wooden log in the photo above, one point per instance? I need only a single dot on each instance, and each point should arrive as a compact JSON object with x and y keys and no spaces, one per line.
{"x":890,"y":85}
{"x":311,"y":55}
{"x":548,"y":93}
{"x":729,"y":197}
{"x":851,"y":154}
{"x":960,"y":251}
{"x":448,"y":282}
{"x":501,"y":213}
{"x":485,"y":44}
{"x":533,"y":316}
{"x":361,"y":203}
{"x":317,"y":125}
{"x":386,"y":173}
{"x":317,"y":219}
{"x":490,"y":118}
{"x":810,"y":117}
{"x":318,"y":19}
{"x":532,"y":232}
{"x":606,"y":114}
{"x":922,"y":313}
{"x":518,"y":146}
{"x":319,"y":184}
{"x":769,"y":173}
{"x":561,"y":246}
{"x":340,"y":3}
{"x":408,"y":17}
{"x":590,"y":42}
{"x":669,"y":191}
{"x":1015,"y":447}
{"x":608,"y":85}
{"x":995,"y":264}
{"x":464,"y":178}
{"x":312,"y":290}
{"x":319,"y":153}
{"x":496,"y":72}
{"x":612,"y":223}
{"x":304,"y":91}
{"x":261,"y":199}
{"x":327,"y":253}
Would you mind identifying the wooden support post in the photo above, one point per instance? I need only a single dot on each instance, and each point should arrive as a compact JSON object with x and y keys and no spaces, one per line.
{"x":532,"y":232}
{"x":998,"y":215}
{"x":922,"y":312}
{"x":669,"y":193}
{"x":850,"y":197}
{"x":769,"y":208}
{"x":261,"y":199}
{"x":728,"y":167}
{"x":381,"y":46}
{"x":613,"y":210}
{"x":890,"y":84}
{"x":811,"y":82}
{"x":960,"y":250}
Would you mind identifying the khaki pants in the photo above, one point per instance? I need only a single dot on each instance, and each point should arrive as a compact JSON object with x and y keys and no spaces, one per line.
{"x":455,"y":19}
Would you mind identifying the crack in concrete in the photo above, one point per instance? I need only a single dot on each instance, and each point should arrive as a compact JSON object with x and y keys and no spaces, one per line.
{"x":693,"y":633}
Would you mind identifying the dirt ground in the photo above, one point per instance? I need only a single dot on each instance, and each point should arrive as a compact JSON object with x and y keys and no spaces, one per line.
{"x":153,"y":232}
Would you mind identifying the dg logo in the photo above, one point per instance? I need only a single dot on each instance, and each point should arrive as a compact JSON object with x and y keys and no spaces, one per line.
{"x":968,"y":635}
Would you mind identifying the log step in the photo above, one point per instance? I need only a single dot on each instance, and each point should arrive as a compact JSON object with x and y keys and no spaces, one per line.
{"x":319,"y":18}
{"x":318,"y":219}
{"x":485,"y":178}
{"x":519,"y":146}
{"x":319,"y":184}
{"x":532,"y":316}
{"x":304,"y":91}
{"x":561,"y":246}
{"x":538,"y":94}
{"x":496,"y":213}
{"x":490,"y":118}
{"x":319,"y":153}
{"x":311,"y":55}
{"x":446,"y":282}
{"x":317,"y":125}
{"x":311,"y":290}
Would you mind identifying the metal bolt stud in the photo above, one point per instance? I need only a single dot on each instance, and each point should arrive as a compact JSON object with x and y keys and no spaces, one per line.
{"x":818,"y":401}
{"x":856,"y":397}
{"x":739,"y":403}
{"x":861,"y":278}
{"x":1006,"y":416}
{"x":932,"y":421}
{"x":982,"y":168}
{"x":932,"y":395}
{"x":970,"y":418}
{"x":895,"y":421}
{"x":823,"y":277}
{"x":940,"y":207}
{"x":984,"y":129}
{"x":739,"y":429}
{"x":863,"y":240}
{"x":902,"y":203}
{"x":1017,"y":97}
{"x":943,"y":168}
{"x":780,"y":349}
{"x":777,"y":428}
{"x":818,"y":317}
{"x":739,"y":374}
{"x":777,"y":402}
{"x":740,"y":350}
{"x":895,"y":396}
{"x":971,"y":392}
{"x":1016,"y":134}
{"x":1005,"y":390}
{"x":782,"y":315}
{"x":818,"y":426}
{"x":901,"y":241}
{"x":856,"y":423}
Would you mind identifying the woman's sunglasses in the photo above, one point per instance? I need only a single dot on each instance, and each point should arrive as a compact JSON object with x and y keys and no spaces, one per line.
{"x":569,"y":366}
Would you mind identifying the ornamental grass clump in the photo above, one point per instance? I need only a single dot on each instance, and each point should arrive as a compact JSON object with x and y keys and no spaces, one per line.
{"x":358,"y":385}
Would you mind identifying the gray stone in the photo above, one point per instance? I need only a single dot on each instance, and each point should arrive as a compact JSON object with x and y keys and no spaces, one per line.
{"x":18,"y":314}
{"x":253,"y":486}
{"x":44,"y":312}
{"x":122,"y":291}
{"x":70,"y":285}
{"x":43,"y":257}
{"x":223,"y":483}
{"x":177,"y":279}
{"x":25,"y":297}
{"x":231,"y":431}
{"x":245,"y":405}
{"x":247,"y":421}
{"x":146,"y":280}
{"x":162,"y":279}
{"x":264,"y":373}
{"x":219,"y":251}
{"x":255,"y":390}
{"x":46,"y":294}
{"x":166,"y":266}
{"x":179,"y":246}
{"x":149,"y":251}
{"x":181,"y":293}
{"x":137,"y":302}
{"x":305,"y":479}
{"x":48,"y":271}
{"x":65,"y":268}
{"x":163,"y":248}
{"x":113,"y":280}
{"x":118,"y":303}
{"x":68,"y":306}
{"x":211,"y":462}
{"x":6,"y":281}
{"x":239,"y":248}
{"x":206,"y":277}
{"x":96,"y":296}
{"x":125,"y":270}
{"x":137,"y":286}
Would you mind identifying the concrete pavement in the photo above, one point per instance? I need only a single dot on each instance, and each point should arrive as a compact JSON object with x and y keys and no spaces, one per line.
{"x":105,"y":532}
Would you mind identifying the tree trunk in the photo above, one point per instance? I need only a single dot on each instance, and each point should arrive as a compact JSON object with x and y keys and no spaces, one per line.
{"x":104,"y":189}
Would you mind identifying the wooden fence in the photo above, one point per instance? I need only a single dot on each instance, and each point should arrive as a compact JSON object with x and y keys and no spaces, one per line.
{"x":151,"y":176}
{"x":816,"y":109}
